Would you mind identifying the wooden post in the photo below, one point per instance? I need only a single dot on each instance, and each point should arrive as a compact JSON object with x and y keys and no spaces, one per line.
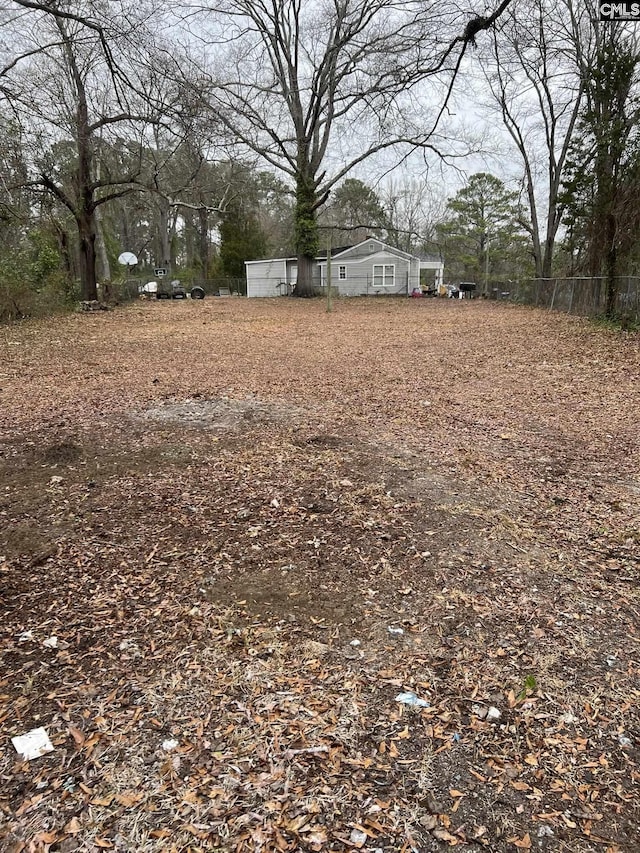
{"x":573,"y":287}
{"x":329,"y":273}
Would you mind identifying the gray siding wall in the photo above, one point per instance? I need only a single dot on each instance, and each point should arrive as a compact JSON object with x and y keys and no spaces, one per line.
{"x":263,"y":278}
{"x":359,"y":280}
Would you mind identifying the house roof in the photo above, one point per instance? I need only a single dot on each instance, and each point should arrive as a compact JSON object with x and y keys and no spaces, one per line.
{"x":337,"y":251}
{"x":383,"y":246}
{"x":268,"y":260}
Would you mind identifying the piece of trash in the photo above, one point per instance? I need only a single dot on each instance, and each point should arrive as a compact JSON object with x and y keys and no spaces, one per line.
{"x":493,"y":714}
{"x":624,"y":741}
{"x":32,"y":745}
{"x":545,"y":831}
{"x":25,"y":637}
{"x":51,"y":642}
{"x":170,"y":744}
{"x":275,"y":503}
{"x":480,"y":711}
{"x":410,"y":698}
{"x":396,"y":631}
{"x":354,"y":643}
{"x":358,"y":837}
{"x":611,"y":660}
{"x":310,"y":750}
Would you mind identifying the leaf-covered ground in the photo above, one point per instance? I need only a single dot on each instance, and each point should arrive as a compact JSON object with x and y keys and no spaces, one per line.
{"x":232,"y":533}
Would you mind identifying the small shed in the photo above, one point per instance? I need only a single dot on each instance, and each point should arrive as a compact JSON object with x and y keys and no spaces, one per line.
{"x":272,"y":277}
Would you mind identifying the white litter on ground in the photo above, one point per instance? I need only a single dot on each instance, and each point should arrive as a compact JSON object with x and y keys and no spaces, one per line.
{"x":32,"y":745}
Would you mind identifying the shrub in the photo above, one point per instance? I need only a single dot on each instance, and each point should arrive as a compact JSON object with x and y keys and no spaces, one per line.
{"x":32,"y":281}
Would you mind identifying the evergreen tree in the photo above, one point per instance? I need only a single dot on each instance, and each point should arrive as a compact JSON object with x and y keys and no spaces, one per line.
{"x":483,"y":237}
{"x":242,"y":239}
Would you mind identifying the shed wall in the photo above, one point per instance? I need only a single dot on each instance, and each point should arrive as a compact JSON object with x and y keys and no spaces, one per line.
{"x":265,"y":278}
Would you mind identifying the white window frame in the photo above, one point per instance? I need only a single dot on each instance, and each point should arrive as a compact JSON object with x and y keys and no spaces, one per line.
{"x":384,"y":275}
{"x":342,"y":273}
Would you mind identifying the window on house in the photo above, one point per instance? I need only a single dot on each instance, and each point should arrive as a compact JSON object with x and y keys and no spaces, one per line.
{"x":384,"y":275}
{"x":342,"y":273}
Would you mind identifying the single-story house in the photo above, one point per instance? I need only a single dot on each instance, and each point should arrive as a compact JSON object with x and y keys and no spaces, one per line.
{"x":367,"y":269}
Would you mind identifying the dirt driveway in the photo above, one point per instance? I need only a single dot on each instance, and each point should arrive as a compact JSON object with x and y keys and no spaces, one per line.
{"x":274,"y":579}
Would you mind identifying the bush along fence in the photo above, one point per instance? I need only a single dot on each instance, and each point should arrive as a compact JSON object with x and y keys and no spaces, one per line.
{"x":576,"y":295}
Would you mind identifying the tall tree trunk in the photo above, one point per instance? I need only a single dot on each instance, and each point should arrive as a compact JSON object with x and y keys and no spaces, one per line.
{"x":203,"y":235}
{"x":306,"y":234}
{"x":102,"y":256}
{"x":68,"y":258}
{"x":85,"y":207}
{"x":87,"y":247}
{"x":104,"y":267}
{"x":164,"y":238}
{"x":611,"y":269}
{"x":547,"y":257}
{"x":85,"y":219}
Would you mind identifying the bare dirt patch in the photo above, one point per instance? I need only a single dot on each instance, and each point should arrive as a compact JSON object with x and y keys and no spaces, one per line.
{"x":223,"y":414}
{"x":253,"y":557}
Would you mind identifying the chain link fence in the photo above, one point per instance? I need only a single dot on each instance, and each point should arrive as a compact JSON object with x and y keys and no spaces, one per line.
{"x":576,"y":295}
{"x":131,"y":288}
{"x":222,"y":286}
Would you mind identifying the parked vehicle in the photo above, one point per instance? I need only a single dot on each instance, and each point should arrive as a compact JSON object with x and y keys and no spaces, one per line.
{"x":169,"y":290}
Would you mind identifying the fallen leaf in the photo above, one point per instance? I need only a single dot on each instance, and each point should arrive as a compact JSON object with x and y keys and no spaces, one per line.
{"x":78,"y":736}
{"x":73,"y":827}
{"x":443,"y":835}
{"x":523,"y":843}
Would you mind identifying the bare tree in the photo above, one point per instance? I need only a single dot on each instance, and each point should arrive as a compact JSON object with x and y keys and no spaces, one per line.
{"x":607,"y":154}
{"x":413,"y":211}
{"x":318,"y":86}
{"x":535,"y":82}
{"x":71,"y":79}
{"x":185,"y":180}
